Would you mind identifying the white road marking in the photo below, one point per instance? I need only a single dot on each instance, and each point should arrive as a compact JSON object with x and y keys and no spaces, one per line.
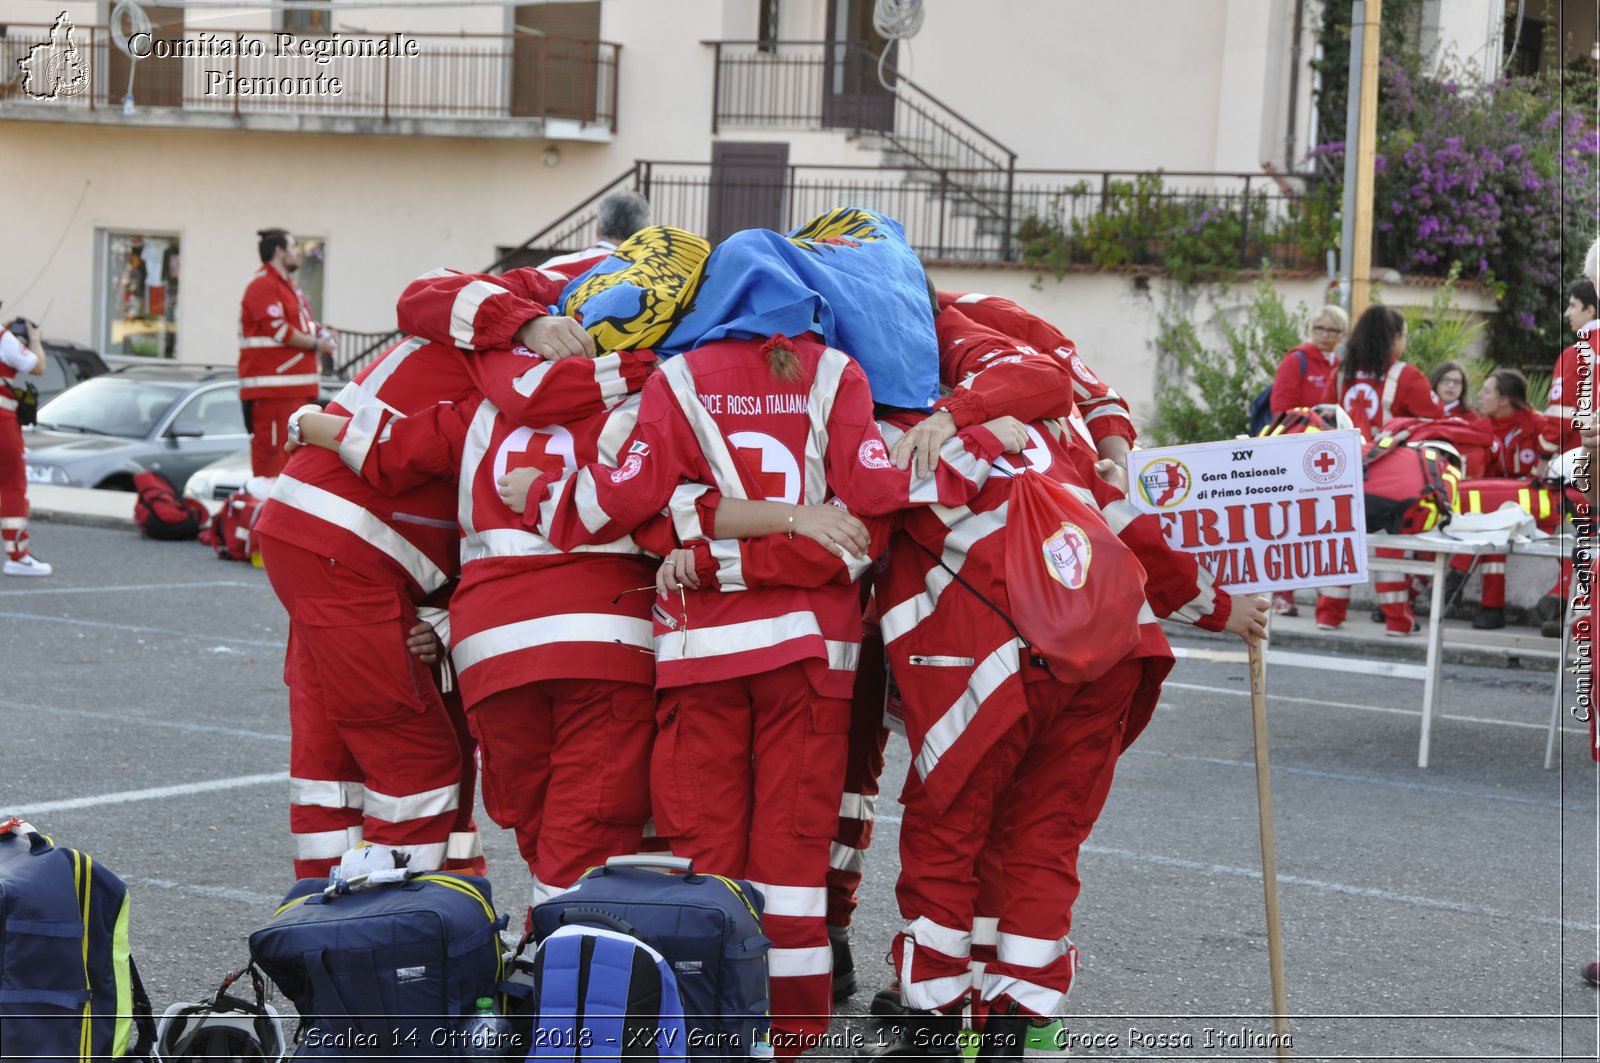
{"x":1415,"y":900}
{"x":36,"y":618}
{"x":133,"y":587}
{"x":1371,"y":708}
{"x":153,"y":794}
{"x":122,"y":717}
{"x":221,"y":893}
{"x":1324,"y":886}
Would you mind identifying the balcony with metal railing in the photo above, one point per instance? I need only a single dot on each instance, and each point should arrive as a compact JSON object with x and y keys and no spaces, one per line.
{"x":487,"y":85}
{"x":1190,"y":224}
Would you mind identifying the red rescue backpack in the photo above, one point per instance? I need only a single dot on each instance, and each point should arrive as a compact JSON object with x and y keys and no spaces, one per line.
{"x":1472,"y":440}
{"x":1075,"y":588}
{"x":161,"y":514}
{"x":232,"y":533}
{"x":1410,"y":487}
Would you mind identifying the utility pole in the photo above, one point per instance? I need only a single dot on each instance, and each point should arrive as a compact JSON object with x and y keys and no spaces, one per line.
{"x":1361,"y":140}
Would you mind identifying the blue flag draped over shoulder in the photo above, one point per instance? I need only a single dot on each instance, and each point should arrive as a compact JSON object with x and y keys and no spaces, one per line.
{"x":849,"y":275}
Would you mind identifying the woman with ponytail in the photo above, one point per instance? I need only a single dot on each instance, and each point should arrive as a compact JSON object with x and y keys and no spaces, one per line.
{"x":1373,"y":385}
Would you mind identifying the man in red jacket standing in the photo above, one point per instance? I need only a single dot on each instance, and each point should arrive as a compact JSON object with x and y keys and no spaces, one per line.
{"x":278,"y":348}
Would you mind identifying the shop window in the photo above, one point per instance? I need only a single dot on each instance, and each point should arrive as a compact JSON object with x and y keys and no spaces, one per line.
{"x":138,"y":293}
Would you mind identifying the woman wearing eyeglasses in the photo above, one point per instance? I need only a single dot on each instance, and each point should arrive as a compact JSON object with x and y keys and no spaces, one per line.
{"x":1302,"y":381}
{"x":1303,"y":374}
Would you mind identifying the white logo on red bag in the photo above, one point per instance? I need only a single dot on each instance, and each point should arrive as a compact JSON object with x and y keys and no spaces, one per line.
{"x":1067,"y":554}
{"x":874,"y":455}
{"x":630,"y":469}
{"x":1324,"y":463}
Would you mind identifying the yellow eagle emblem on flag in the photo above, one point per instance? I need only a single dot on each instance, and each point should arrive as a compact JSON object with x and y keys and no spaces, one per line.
{"x":631,"y":300}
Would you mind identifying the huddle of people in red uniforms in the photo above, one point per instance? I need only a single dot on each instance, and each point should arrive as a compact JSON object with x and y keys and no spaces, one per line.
{"x":1504,"y":443}
{"x":672,"y":583}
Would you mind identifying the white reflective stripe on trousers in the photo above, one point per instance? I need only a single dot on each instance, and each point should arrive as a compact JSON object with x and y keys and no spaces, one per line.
{"x":327,"y":844}
{"x":326,"y":793}
{"x":800,"y":902}
{"x":407,"y":807}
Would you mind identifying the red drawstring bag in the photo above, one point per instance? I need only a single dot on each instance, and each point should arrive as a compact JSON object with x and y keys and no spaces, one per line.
{"x":1075,"y":588}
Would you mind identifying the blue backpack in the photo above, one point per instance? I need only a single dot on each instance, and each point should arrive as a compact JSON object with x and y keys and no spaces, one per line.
{"x":388,"y":970}
{"x":629,"y":952}
{"x":68,"y":985}
{"x":1261,"y":405}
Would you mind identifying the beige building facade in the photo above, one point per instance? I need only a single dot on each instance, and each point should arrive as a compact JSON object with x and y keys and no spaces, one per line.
{"x":131,"y":224}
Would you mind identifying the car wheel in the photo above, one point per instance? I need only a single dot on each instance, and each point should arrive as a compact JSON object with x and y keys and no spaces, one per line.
{"x":120,"y":482}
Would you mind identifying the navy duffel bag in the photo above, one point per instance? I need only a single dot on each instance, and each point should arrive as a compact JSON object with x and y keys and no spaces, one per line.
{"x":391,"y":970}
{"x":707,"y":928}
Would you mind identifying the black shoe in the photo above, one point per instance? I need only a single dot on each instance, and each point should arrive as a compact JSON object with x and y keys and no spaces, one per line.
{"x":1377,"y":614}
{"x":844,"y":964}
{"x":1004,"y":1037}
{"x":887,"y":1002}
{"x":1550,"y":629}
{"x":1489,"y":619}
{"x":926,"y":1035}
{"x":1550,"y":608}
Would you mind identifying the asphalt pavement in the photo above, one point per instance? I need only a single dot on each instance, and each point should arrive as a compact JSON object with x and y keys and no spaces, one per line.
{"x":1427,"y":914}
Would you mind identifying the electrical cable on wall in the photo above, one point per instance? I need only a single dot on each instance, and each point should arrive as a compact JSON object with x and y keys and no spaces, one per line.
{"x":65,"y":229}
{"x":896,"y":20}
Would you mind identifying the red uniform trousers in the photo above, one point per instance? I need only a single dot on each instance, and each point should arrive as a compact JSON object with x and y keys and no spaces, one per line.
{"x":1394,"y":598}
{"x":1009,"y":847}
{"x":13,"y":488}
{"x":375,"y":754}
{"x":745,"y":781}
{"x":847,"y":857}
{"x":566,"y":764}
{"x":269,"y":430}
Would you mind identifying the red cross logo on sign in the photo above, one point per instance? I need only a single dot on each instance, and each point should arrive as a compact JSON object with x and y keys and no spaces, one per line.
{"x":1324,"y":463}
{"x":772,"y":466}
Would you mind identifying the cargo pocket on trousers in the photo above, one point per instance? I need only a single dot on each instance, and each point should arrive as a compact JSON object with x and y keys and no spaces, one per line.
{"x":819,"y":774}
{"x":674,"y":784}
{"x":358,"y":643}
{"x":630,"y":730}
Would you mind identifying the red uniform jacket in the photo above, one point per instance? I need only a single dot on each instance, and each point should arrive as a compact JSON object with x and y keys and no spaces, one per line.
{"x":958,"y":664}
{"x":269,"y":368}
{"x":1574,"y":370}
{"x":1372,"y":401}
{"x":718,"y":416}
{"x":524,"y":611}
{"x":1459,"y":408}
{"x":1525,"y":438}
{"x":321,"y":505}
{"x":1103,"y":411}
{"x":1293,"y":386}
{"x":579,"y":262}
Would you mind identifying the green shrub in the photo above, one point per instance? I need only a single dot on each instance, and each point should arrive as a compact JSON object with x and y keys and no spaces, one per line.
{"x":1208,"y":395}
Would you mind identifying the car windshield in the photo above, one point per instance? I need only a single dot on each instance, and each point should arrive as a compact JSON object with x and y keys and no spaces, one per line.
{"x":113,"y":406}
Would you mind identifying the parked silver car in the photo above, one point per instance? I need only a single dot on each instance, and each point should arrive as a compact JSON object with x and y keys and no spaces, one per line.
{"x":168,"y":418}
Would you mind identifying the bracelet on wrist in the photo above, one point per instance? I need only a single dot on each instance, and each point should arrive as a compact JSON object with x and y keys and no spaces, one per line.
{"x":793,"y":510}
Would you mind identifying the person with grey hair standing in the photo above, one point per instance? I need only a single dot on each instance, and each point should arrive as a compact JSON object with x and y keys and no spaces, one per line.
{"x":621,"y":215}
